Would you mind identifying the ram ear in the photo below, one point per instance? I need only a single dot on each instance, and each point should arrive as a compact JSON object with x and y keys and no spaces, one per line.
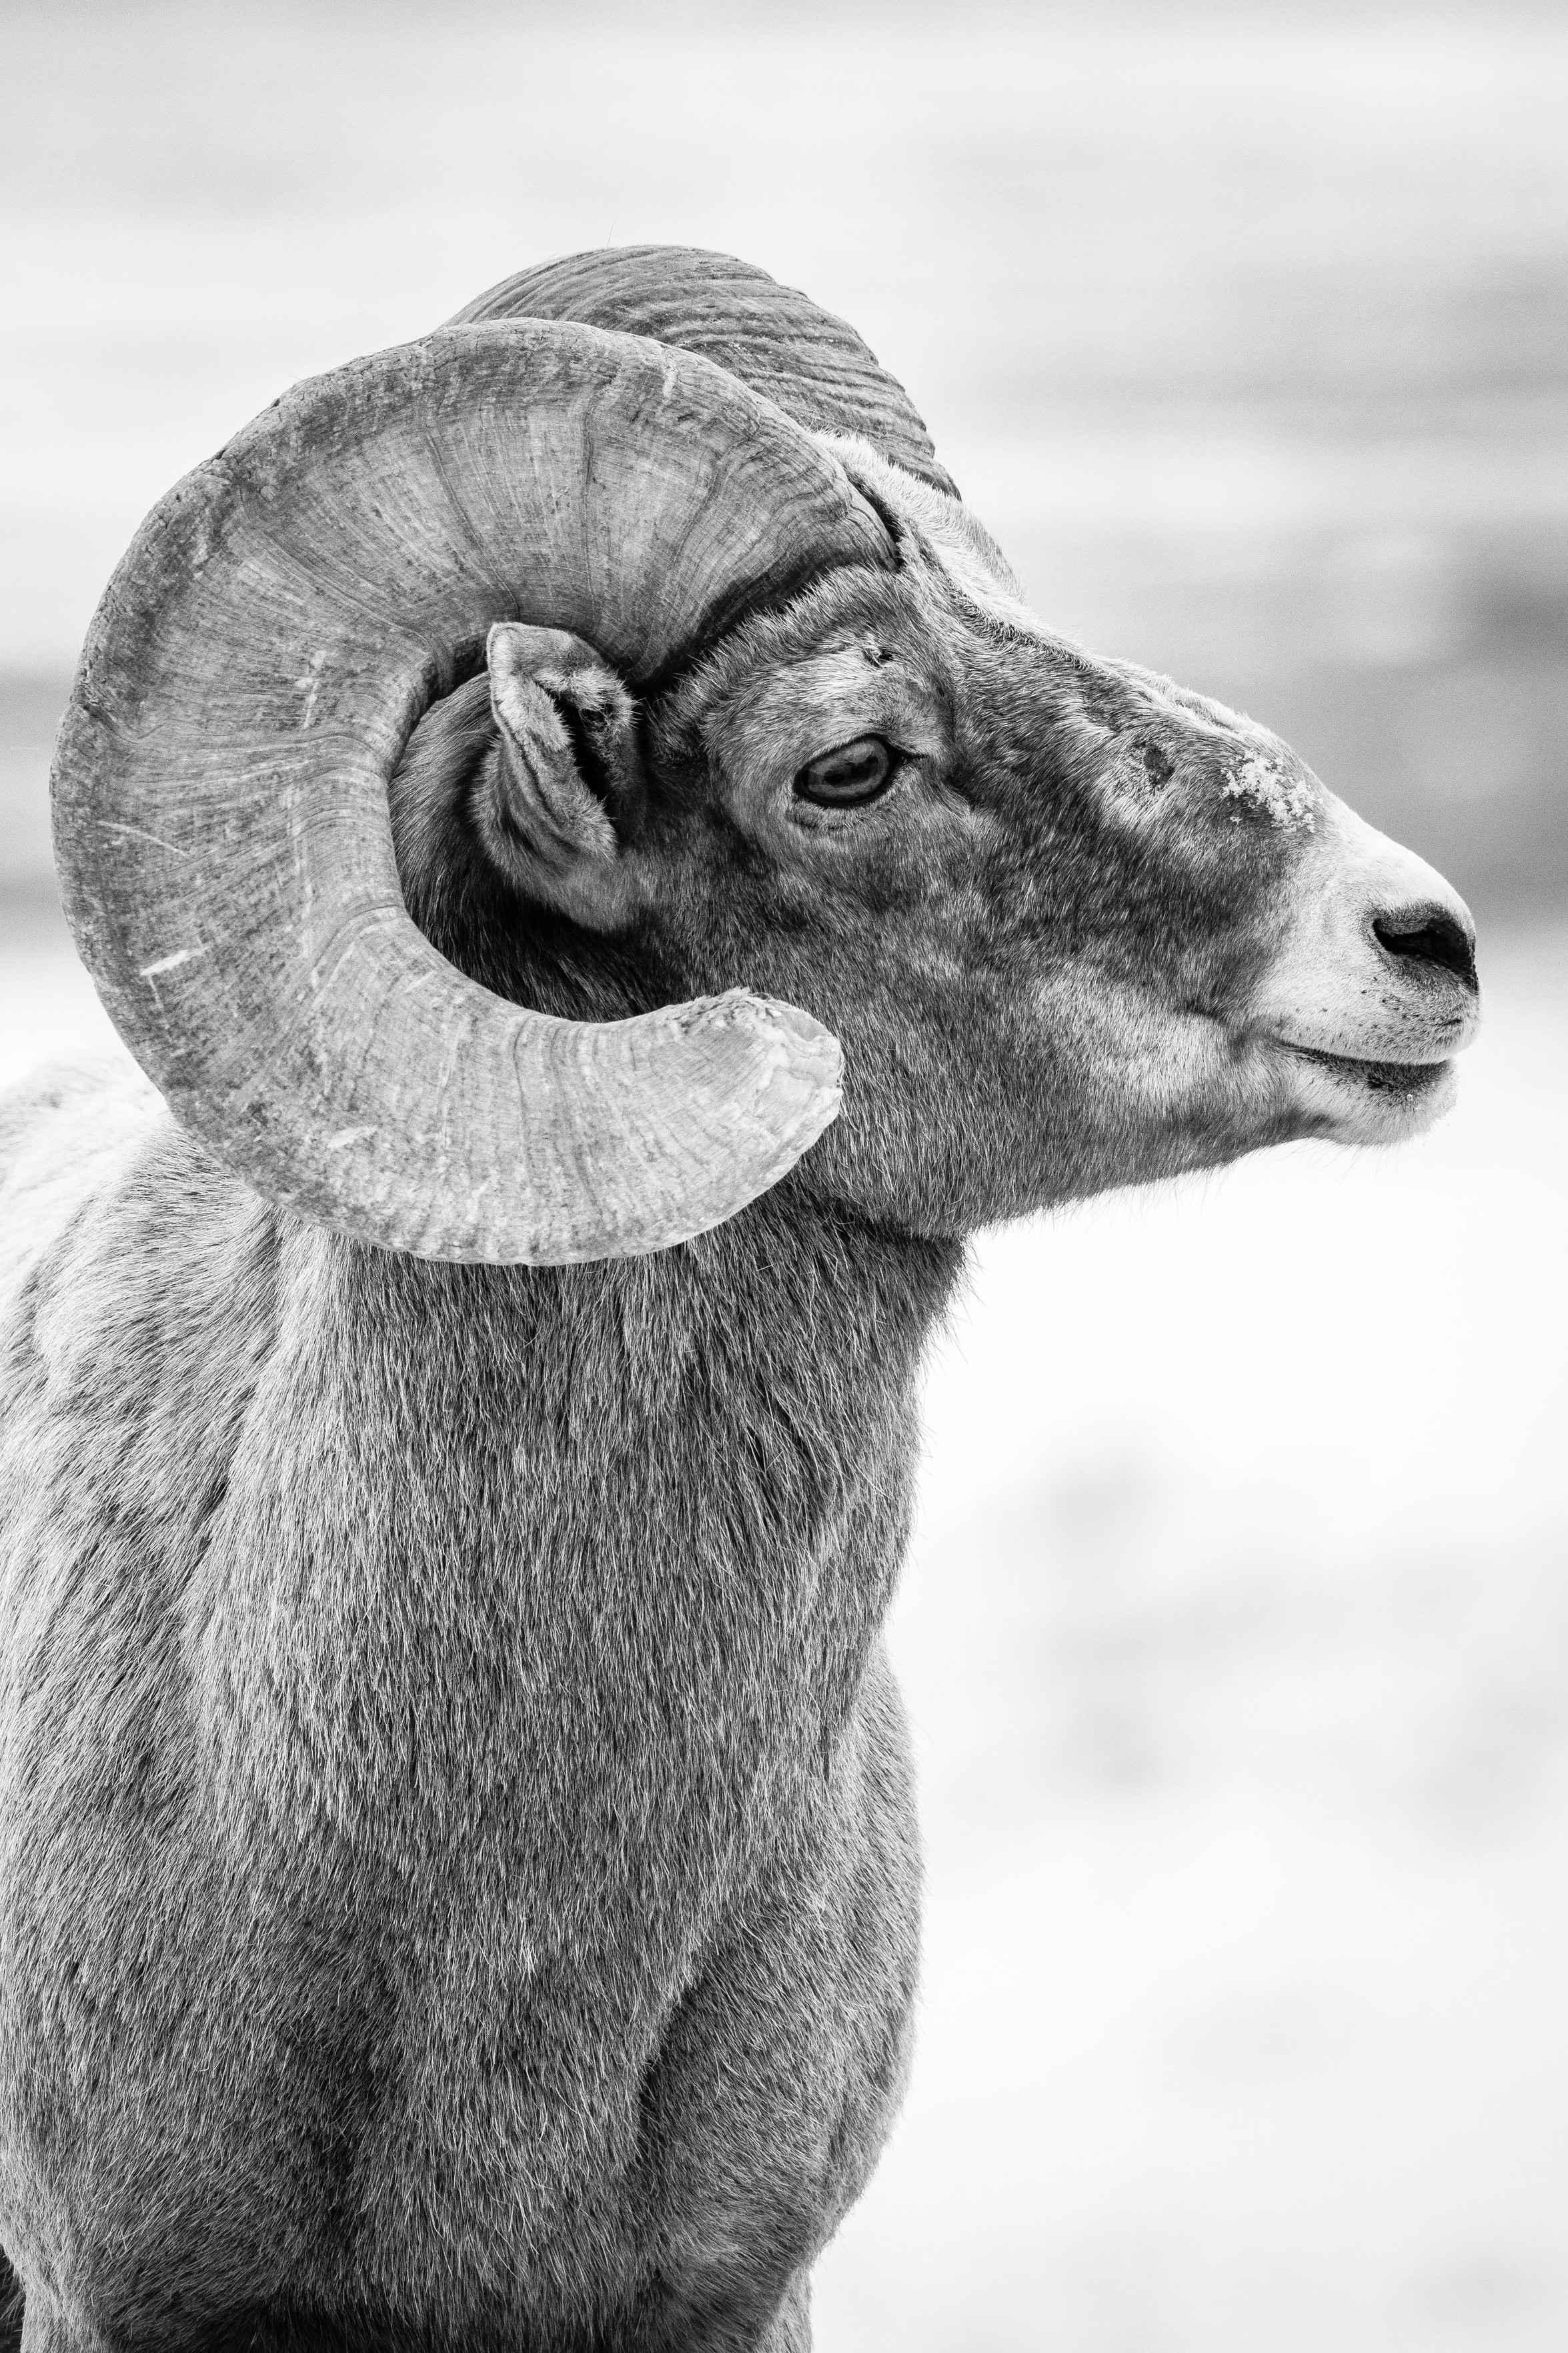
{"x":556,"y":802}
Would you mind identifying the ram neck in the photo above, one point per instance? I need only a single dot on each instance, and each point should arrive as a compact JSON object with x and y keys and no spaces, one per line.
{"x":627,"y":1527}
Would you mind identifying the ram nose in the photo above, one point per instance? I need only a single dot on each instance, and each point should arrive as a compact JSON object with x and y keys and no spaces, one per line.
{"x":1373,"y":989}
{"x":1429,"y":937}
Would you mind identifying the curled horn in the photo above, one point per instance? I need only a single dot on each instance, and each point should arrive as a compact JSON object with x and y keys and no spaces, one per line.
{"x":815,"y":367}
{"x":259,"y":662}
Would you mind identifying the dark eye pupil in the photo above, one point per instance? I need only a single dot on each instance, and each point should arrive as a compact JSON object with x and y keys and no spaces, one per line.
{"x":852,"y":773}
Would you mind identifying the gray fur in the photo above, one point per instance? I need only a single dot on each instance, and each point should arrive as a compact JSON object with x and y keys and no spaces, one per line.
{"x":417,"y":1904}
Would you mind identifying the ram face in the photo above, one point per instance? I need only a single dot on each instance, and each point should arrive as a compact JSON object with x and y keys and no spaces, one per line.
{"x":538,"y":784}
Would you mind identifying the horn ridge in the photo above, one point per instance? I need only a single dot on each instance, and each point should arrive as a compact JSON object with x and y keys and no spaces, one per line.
{"x":255,"y":669}
{"x":775,"y":339}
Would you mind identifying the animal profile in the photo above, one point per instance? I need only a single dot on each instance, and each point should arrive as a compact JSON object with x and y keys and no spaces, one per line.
{"x":605,"y":885}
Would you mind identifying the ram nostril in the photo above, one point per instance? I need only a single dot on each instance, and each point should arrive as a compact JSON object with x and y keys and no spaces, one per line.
{"x":1428,"y":935}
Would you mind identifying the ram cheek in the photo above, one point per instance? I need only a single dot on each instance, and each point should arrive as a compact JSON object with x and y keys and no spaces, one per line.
{"x":1133,"y":1089}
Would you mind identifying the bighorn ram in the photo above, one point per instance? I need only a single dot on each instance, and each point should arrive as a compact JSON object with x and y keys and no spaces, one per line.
{"x":459,"y":1874}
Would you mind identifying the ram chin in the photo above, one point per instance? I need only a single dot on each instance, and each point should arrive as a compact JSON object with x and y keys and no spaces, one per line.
{"x":1354,"y":1100}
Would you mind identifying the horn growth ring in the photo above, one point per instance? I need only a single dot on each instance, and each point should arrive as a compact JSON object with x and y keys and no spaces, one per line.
{"x":256,"y":667}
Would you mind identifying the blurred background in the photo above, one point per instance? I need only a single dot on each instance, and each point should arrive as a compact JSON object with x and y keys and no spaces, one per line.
{"x":1236,"y":1630}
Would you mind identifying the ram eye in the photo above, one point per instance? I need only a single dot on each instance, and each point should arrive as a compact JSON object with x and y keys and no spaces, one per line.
{"x":851,"y":773}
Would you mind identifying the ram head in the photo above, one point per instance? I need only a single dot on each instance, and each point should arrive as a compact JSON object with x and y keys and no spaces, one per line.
{"x":541,"y":786}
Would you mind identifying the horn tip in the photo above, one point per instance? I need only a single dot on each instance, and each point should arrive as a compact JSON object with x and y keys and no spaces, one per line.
{"x":798,"y":1065}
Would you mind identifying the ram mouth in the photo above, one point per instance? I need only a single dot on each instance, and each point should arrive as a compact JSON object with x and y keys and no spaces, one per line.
{"x":1406,"y":1080}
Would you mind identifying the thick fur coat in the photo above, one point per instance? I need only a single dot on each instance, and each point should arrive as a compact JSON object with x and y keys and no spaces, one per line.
{"x":490,"y":1661}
